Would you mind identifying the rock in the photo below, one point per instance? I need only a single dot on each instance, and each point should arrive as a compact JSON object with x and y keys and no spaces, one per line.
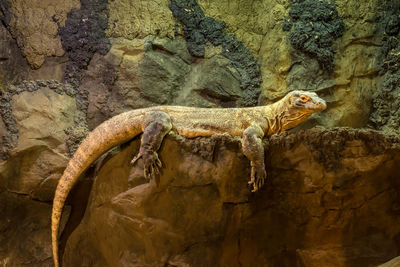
{"x":84,"y":35}
{"x":139,"y":18}
{"x":349,"y":90}
{"x":157,"y":71}
{"x":258,"y":26}
{"x":385,"y":103}
{"x":315,"y":209}
{"x":392,"y":263}
{"x":313,"y":28}
{"x":169,"y":70}
{"x":249,"y":20}
{"x":39,"y":157}
{"x":3,"y":134}
{"x":199,"y":29}
{"x":135,"y":74}
{"x":213,"y":82}
{"x":182,"y":227}
{"x":332,"y":195}
{"x":25,"y":227}
{"x":13,"y":65}
{"x":34,"y":25}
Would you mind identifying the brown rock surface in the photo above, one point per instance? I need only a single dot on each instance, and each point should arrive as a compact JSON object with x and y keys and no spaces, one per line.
{"x":25,"y":231}
{"x":13,"y":65}
{"x":15,"y":68}
{"x":34,"y":25}
{"x":39,"y":157}
{"x":331,"y":200}
{"x":392,"y":263}
{"x":140,"y":18}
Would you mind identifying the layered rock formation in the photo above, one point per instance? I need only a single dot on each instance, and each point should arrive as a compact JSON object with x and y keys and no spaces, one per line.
{"x":322,"y":206}
{"x":331,"y":198}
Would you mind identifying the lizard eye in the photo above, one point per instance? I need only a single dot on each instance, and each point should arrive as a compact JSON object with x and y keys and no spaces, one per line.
{"x":304,"y":98}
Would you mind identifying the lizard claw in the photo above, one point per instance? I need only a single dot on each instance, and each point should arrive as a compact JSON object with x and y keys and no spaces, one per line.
{"x":133,"y":161}
{"x":151,"y":164}
{"x":257,"y":178}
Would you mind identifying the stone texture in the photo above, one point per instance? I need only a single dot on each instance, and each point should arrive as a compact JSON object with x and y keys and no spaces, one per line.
{"x":12,"y":64}
{"x":385,"y":103}
{"x":314,"y":26}
{"x":349,"y":90}
{"x":249,"y":20}
{"x":124,"y":78}
{"x":38,"y":158}
{"x":317,"y":208}
{"x":258,"y":25}
{"x":15,"y":69}
{"x":25,"y":228}
{"x":84,"y":35}
{"x":140,"y":18}
{"x":157,"y":71}
{"x":211,"y":83}
{"x":199,"y":30}
{"x":392,"y":263}
{"x":356,"y":72}
{"x":34,"y":24}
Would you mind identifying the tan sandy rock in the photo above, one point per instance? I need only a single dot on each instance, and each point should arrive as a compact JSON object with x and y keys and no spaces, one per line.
{"x":41,"y":117}
{"x":36,"y":32}
{"x":140,"y":18}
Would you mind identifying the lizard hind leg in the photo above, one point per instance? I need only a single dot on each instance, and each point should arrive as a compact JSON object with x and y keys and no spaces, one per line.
{"x":156,"y":125}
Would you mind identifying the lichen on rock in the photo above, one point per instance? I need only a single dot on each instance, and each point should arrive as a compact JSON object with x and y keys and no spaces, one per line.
{"x":198,"y":29}
{"x":132,"y":19}
{"x":83,"y":35}
{"x":33,"y":26}
{"x":35,"y":115}
{"x":386,"y":102}
{"x":313,"y":26}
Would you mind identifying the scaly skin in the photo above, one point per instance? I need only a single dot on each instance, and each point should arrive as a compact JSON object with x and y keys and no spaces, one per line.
{"x":252,"y":124}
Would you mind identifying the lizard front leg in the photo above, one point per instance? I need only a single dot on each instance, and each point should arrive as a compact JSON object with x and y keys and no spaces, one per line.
{"x":253,"y":149}
{"x":156,"y":125}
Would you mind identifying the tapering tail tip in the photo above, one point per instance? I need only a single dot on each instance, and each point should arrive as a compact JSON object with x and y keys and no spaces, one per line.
{"x":54,"y":243}
{"x":58,"y":204}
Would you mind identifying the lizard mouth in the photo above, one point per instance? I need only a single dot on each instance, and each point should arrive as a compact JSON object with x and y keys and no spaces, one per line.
{"x":320,"y":105}
{"x":313,"y":106}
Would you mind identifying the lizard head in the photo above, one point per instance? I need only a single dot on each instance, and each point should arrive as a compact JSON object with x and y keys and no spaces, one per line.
{"x":298,"y":106}
{"x":304,"y":102}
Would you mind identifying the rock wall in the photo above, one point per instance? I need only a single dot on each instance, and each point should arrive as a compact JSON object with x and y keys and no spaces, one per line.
{"x":331,"y":198}
{"x":317,"y":209}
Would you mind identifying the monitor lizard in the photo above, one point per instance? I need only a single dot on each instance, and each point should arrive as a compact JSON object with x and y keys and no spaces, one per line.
{"x":250,"y":123}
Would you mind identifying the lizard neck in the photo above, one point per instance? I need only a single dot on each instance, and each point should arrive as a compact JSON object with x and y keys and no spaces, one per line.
{"x":280,"y":118}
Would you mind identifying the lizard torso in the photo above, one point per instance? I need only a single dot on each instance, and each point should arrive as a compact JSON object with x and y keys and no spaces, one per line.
{"x":192,"y":122}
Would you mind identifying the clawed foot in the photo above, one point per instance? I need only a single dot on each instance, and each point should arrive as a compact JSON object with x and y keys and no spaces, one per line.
{"x":258,"y":177}
{"x":151,"y":164}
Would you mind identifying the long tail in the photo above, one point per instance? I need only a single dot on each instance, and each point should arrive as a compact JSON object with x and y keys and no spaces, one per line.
{"x":107,"y":135}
